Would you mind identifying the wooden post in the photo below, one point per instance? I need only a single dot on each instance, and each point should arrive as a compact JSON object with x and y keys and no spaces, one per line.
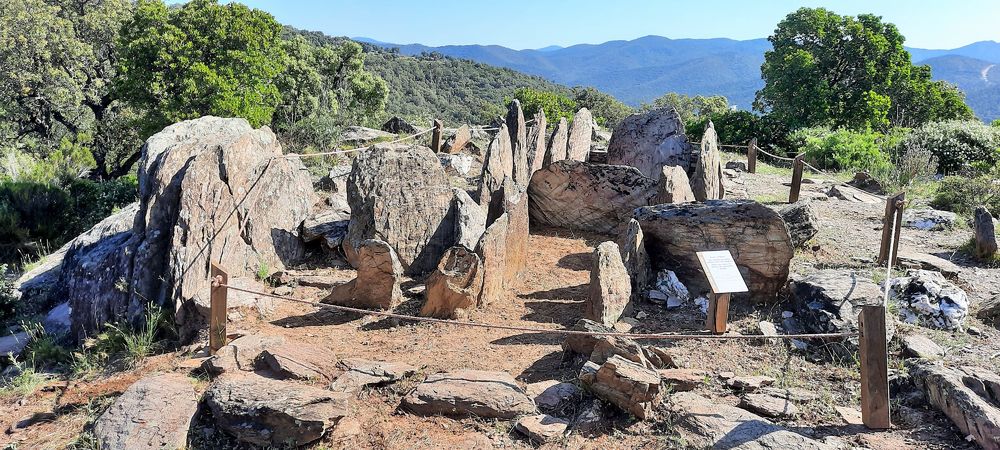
{"x":874,"y":368}
{"x":797,"y":166}
{"x":217,"y":314}
{"x":890,"y":234}
{"x":436,"y":135}
{"x":752,"y":156}
{"x":718,"y":313}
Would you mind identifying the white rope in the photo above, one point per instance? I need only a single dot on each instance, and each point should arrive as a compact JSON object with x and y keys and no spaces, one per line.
{"x":337,"y":152}
{"x":773,"y":155}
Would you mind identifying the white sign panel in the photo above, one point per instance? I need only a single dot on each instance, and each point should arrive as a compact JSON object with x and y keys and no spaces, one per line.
{"x":722,"y":273}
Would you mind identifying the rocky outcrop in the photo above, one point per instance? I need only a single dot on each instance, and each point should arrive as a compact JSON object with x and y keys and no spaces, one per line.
{"x":492,"y":250}
{"x":754,"y":234}
{"x":154,"y":412}
{"x":455,"y":285}
{"x":985,"y":233}
{"x":928,"y":299}
{"x":556,"y":147}
{"x":519,"y":143}
{"x":610,"y":286}
{"x":400,"y":195}
{"x":800,"y":219}
{"x":497,"y":165}
{"x":650,"y":141}
{"x":589,"y":197}
{"x":625,"y":384}
{"x":580,"y":135}
{"x":377,"y":284}
{"x":469,"y":393}
{"x":267,"y":412}
{"x":673,"y":187}
{"x":398,"y":125}
{"x":536,"y":143}
{"x":632,"y":245}
{"x":707,"y":179}
{"x":969,"y":396}
{"x":470,"y":220}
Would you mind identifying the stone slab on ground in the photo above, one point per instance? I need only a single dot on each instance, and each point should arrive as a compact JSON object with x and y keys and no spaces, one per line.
{"x":469,"y":393}
{"x":240,"y":354}
{"x":154,"y":412}
{"x":920,"y":346}
{"x":552,"y":395}
{"x":542,"y":428}
{"x":969,"y":396}
{"x":769,"y":406}
{"x":628,"y":385}
{"x":358,"y":373}
{"x":299,"y":361}
{"x":917,"y":260}
{"x":749,"y":383}
{"x":682,"y":380}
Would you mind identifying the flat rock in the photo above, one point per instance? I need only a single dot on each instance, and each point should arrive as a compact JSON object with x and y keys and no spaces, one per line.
{"x":928,"y":219}
{"x":625,"y":384}
{"x":925,"y":261}
{"x":358,"y":373}
{"x":920,"y":346}
{"x":552,"y":395}
{"x":580,"y":134}
{"x":851,"y":194}
{"x":990,"y":310}
{"x":357,"y":135}
{"x":801,"y":220}
{"x":969,"y":396}
{"x":769,"y":406}
{"x":266,"y":412}
{"x":153,"y":413}
{"x":242,"y":354}
{"x":299,"y":361}
{"x":610,"y":291}
{"x":790,"y":393}
{"x":707,"y":181}
{"x":542,"y":428}
{"x":649,"y":141}
{"x":589,"y":197}
{"x":681,"y":380}
{"x":469,"y":393}
{"x":455,"y":285}
{"x":673,"y":187}
{"x":749,"y":383}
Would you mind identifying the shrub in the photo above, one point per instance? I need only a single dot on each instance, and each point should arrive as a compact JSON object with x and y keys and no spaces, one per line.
{"x":958,"y":145}
{"x":909,"y":165}
{"x":8,"y":303}
{"x":841,"y":149}
{"x":963,"y":194}
{"x":739,"y":127}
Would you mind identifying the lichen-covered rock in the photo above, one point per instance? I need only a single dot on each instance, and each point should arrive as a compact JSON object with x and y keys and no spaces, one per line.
{"x":536,"y":143}
{"x":298,"y":361}
{"x":928,"y":299}
{"x":154,"y":412}
{"x":754,"y":234}
{"x":649,"y":141}
{"x":556,"y":147}
{"x":706,"y":183}
{"x":800,"y":219}
{"x":377,"y":284}
{"x":400,"y":195}
{"x":358,"y":373}
{"x":610,"y":286}
{"x":455,"y":285}
{"x":589,"y":197}
{"x":580,"y":134}
{"x":469,"y":393}
{"x":673,"y":187}
{"x":632,"y":245}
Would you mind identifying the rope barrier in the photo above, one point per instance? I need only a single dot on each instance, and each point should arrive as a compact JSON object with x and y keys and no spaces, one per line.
{"x":773,"y":155}
{"x":641,"y":336}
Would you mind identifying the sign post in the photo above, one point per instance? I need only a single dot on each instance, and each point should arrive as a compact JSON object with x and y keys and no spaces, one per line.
{"x":725,"y":279}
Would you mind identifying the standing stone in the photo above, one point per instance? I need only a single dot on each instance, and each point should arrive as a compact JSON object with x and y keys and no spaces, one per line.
{"x":650,"y":141}
{"x":674,"y":186}
{"x":556,"y":150}
{"x":492,"y":250}
{"x":536,"y":143}
{"x":800,"y":218}
{"x":754,"y":234}
{"x":518,"y":234}
{"x":707,"y":179}
{"x":589,"y":197}
{"x":632,"y":245}
{"x":377,"y":284}
{"x":625,"y":384}
{"x":470,"y":392}
{"x":470,"y":220}
{"x":400,"y":195}
{"x":580,"y":134}
{"x":457,"y":142}
{"x":499,"y":163}
{"x":456,"y":284}
{"x":610,"y":286}
{"x":154,"y":412}
{"x":518,"y":142}
{"x":986,"y":237}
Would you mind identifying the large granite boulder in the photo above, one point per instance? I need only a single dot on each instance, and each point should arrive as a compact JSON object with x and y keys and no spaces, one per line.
{"x":401,"y":195}
{"x":985,"y":233}
{"x":754,"y":234}
{"x":580,"y":134}
{"x":377,"y":284}
{"x":926,"y":298}
{"x":586,"y":196}
{"x":969,"y":396}
{"x":649,"y":141}
{"x":707,"y":179}
{"x":556,"y":147}
{"x":154,"y":412}
{"x":469,"y":393}
{"x":455,"y":285}
{"x":610,"y":286}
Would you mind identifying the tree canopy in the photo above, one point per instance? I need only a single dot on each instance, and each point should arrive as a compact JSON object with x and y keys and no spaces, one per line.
{"x":690,"y":109}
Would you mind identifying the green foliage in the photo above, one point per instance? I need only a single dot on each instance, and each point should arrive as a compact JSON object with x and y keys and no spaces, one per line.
{"x":199,"y":59}
{"x":739,"y":127}
{"x":995,"y":123}
{"x":8,"y":303}
{"x":958,"y":145}
{"x":126,"y":345}
{"x":555,"y":104}
{"x":849,"y":72}
{"x":963,"y":194}
{"x":908,"y":167}
{"x":607,"y":110}
{"x":691,"y":109}
{"x":25,"y":382}
{"x":841,"y":149}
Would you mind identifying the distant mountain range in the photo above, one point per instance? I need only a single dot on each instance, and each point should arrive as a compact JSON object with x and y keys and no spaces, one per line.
{"x":642,"y":69}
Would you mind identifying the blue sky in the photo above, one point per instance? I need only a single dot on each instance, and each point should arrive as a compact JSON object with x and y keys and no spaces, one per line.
{"x":533,"y":24}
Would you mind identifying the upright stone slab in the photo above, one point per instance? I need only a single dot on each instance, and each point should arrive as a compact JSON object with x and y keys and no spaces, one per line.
{"x":377,"y":284}
{"x":586,"y":196}
{"x":674,"y":186}
{"x":518,"y":233}
{"x":556,"y":147}
{"x":707,"y":179}
{"x":610,"y":286}
{"x":800,"y":218}
{"x":649,"y":141}
{"x":985,"y":230}
{"x":401,"y":195}
{"x":519,"y":143}
{"x":470,"y":220}
{"x":457,"y":142}
{"x":498,"y":164}
{"x":455,"y":285}
{"x":632,"y":245}
{"x":536,"y":143}
{"x":580,"y":134}
{"x":492,"y":250}
{"x":754,"y":234}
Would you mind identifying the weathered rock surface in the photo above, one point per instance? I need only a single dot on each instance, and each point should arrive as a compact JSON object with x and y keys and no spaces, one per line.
{"x":674,"y":187}
{"x":769,"y":406}
{"x":13,"y":344}
{"x":990,"y":310}
{"x":969,"y":396}
{"x":749,"y":383}
{"x":580,"y":134}
{"x":682,"y":380}
{"x":552,"y":395}
{"x":556,"y":146}
{"x":920,"y":346}
{"x":492,"y":251}
{"x":705,"y":423}
{"x":518,"y":233}
{"x":455,"y":285}
{"x":401,"y":195}
{"x":497,"y":165}
{"x":267,"y":412}
{"x":518,"y":142}
{"x":242,"y":353}
{"x":830,"y":300}
{"x":377,"y":284}
{"x":928,"y":219}
{"x":985,"y":233}
{"x":536,"y":143}
{"x":847,"y":193}
{"x":754,"y":234}
{"x":357,"y":135}
{"x":397,"y":125}
{"x":927,"y":299}
{"x":458,"y":164}
{"x":470,"y":392}
{"x":299,"y":361}
{"x":801,"y":220}
{"x":632,"y":245}
{"x":599,"y":348}
{"x":916,"y":260}
{"x":358,"y":373}
{"x":706,"y":183}
{"x":470,"y":220}
{"x":589,"y":197}
{"x":625,"y":384}
{"x":542,"y":428}
{"x":650,"y":141}
{"x":153,"y":413}
{"x":610,"y":291}
{"x":458,"y":141}
{"x":328,"y":226}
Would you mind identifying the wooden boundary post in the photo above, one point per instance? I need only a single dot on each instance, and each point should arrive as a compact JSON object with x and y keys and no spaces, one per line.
{"x":718,"y":313}
{"x":436,"y":135}
{"x":217,"y":314}
{"x":890,"y":234}
{"x":752,"y":156}
{"x":796,"y":187}
{"x":874,"y":368}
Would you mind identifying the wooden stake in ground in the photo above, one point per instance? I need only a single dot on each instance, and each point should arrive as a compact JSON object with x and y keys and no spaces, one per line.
{"x":891,"y":225}
{"x":874,"y":368}
{"x":217,"y":311}
{"x":797,"y":166}
{"x":752,"y":156}
{"x":724,"y":278}
{"x":436,"y":135}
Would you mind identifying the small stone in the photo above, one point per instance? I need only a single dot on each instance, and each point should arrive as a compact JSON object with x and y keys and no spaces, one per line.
{"x":590,"y":420}
{"x":767,"y":328}
{"x":850,"y":416}
{"x":793,"y":394}
{"x":749,"y":383}
{"x":769,"y":406}
{"x":627,"y":385}
{"x":919,"y":346}
{"x":726,"y":375}
{"x":787,"y":314}
{"x":282,"y":290}
{"x":552,"y":395}
{"x":542,"y":428}
{"x":641,"y":315}
{"x":974,"y":331}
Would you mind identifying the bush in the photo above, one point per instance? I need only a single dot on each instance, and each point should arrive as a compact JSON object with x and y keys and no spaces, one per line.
{"x":958,"y":145}
{"x":841,"y":149}
{"x":909,"y":165}
{"x":963,"y":194}
{"x":7,"y":301}
{"x":739,"y":127}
